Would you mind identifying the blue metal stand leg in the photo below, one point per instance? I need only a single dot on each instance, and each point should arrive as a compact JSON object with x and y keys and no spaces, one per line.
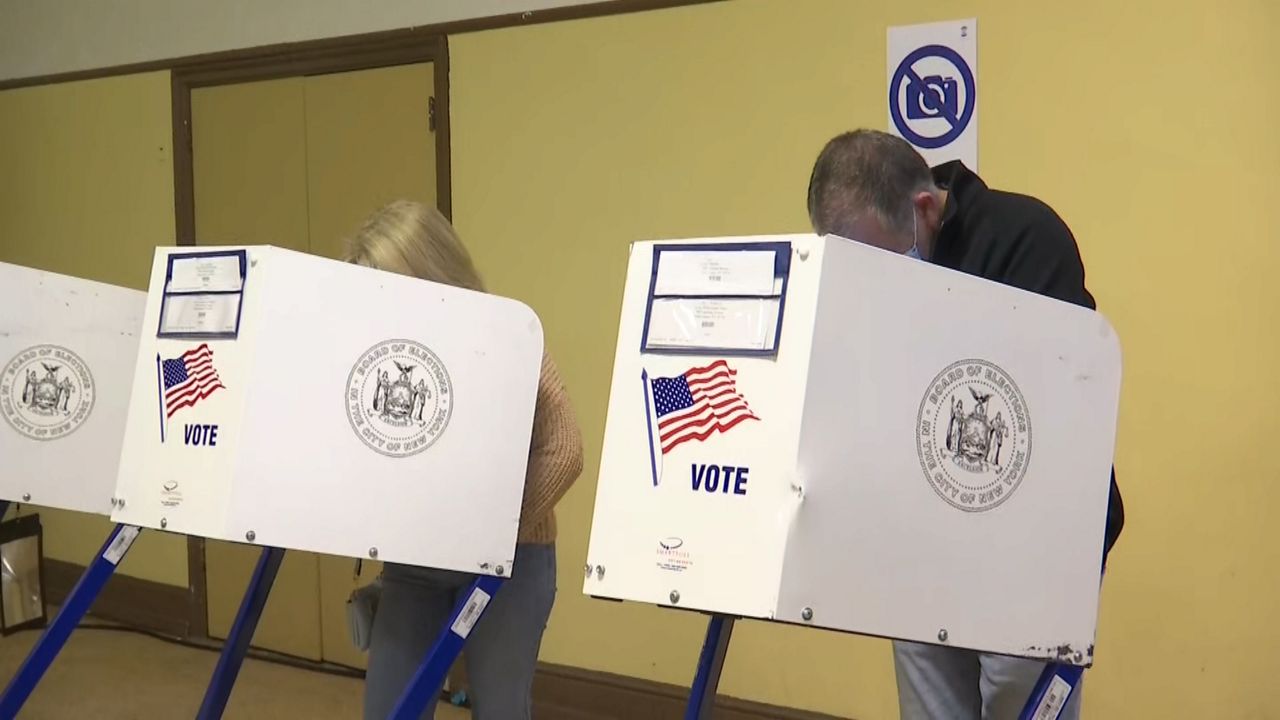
{"x":702,"y":697}
{"x":423,"y":687}
{"x":1051,"y":692}
{"x":73,"y":610}
{"x":237,"y":645}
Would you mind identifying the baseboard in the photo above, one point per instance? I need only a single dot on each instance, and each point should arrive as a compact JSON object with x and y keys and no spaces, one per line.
{"x":560,"y":692}
{"x":126,"y":600}
{"x":568,"y":693}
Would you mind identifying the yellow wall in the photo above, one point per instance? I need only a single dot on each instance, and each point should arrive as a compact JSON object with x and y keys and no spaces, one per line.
{"x":1149,"y":126}
{"x":86,"y":189}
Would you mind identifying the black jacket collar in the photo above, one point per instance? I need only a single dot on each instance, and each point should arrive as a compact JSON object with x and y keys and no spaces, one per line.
{"x":961,"y":185}
{"x":964,"y":188}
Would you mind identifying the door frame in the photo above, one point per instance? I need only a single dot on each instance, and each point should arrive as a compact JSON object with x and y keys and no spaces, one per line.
{"x":316,"y":57}
{"x":320,"y":57}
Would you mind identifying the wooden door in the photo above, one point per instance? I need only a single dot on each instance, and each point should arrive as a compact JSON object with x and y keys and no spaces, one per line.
{"x":300,"y":163}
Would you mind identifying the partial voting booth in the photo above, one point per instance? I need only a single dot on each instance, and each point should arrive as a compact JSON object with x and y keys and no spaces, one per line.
{"x":293,"y":402}
{"x":68,"y":349}
{"x":67,"y":346}
{"x":808,"y":430}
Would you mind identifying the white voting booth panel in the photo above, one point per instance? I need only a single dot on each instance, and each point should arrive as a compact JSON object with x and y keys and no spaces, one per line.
{"x":67,"y":346}
{"x":298,"y":402}
{"x":927,"y":454}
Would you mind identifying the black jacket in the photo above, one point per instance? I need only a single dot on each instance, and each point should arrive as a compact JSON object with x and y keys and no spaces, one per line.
{"x":1015,"y":240}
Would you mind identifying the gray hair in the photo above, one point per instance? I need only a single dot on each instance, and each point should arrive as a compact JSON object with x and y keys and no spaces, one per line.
{"x":866,"y":171}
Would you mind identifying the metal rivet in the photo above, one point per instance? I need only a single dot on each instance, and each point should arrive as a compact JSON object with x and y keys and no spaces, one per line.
{"x":250,"y":536}
{"x":121,"y":505}
{"x":114,"y":502}
{"x":589,"y":568}
{"x":500,"y":570}
{"x":26,"y":497}
{"x":163,"y":523}
{"x":1078,"y":656}
{"x":807,"y":614}
{"x":373,"y":552}
{"x":942,"y":635}
{"x":803,"y":254}
{"x":600,"y":573}
{"x":675,"y":596}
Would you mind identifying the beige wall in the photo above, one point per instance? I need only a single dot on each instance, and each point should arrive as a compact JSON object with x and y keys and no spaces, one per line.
{"x":86,"y":189}
{"x":1148,"y":126}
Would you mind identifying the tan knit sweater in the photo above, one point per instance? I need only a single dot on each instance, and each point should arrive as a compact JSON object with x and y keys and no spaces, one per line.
{"x":555,"y":458}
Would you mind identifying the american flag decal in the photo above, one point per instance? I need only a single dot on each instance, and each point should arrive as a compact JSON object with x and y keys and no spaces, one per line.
{"x":188,"y":379}
{"x":698,"y":404}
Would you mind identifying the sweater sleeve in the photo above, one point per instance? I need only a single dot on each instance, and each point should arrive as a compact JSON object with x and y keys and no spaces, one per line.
{"x":555,"y":450}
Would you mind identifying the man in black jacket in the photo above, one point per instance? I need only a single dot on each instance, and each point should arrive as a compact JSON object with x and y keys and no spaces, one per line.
{"x":874,"y":188}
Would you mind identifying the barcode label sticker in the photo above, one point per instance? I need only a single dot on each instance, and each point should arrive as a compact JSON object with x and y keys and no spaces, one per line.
{"x":470,"y":614}
{"x":1053,"y":700}
{"x":120,"y":545}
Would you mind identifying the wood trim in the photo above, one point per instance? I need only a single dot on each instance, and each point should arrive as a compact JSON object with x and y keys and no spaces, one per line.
{"x":570,"y":693}
{"x":397,"y":47}
{"x":127,"y":600}
{"x":197,"y":590}
{"x":184,"y":196}
{"x":319,"y":57}
{"x":444,"y":158}
{"x":342,"y":54}
{"x":291,"y":60}
{"x":559,"y":691}
{"x":379,"y":45}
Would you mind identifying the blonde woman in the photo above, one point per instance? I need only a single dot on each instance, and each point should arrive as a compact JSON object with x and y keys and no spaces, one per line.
{"x":414,"y":239}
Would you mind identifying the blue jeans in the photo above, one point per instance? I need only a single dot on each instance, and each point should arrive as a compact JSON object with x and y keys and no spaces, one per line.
{"x":943,"y":683}
{"x":501,"y":652}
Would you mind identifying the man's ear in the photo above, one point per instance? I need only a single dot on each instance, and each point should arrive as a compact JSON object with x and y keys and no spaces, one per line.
{"x":929,"y":205}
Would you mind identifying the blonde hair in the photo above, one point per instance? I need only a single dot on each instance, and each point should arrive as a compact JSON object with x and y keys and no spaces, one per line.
{"x":414,"y":239}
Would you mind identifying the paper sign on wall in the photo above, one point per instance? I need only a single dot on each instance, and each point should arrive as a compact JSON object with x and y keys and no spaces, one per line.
{"x":933,"y":89}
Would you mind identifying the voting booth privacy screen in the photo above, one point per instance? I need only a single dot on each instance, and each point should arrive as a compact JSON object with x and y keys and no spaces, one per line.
{"x":815,"y":431}
{"x":67,"y":346}
{"x":293,"y":401}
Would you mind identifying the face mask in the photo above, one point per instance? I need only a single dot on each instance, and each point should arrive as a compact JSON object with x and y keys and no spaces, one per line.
{"x":914,"y":252}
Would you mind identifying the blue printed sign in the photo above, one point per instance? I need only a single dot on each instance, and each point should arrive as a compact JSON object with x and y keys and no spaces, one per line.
{"x":933,"y":89}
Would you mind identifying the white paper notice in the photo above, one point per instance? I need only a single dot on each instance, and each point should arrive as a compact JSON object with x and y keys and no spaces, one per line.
{"x":121,"y":544}
{"x":219,"y":273}
{"x":470,"y":614}
{"x":1054,"y":699}
{"x":199,"y":314}
{"x":713,"y":272}
{"x":727,"y":324}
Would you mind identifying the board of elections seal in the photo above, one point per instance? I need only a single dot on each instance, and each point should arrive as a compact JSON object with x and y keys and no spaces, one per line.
{"x":46,"y":392}
{"x":973,"y":435}
{"x":399,"y":398}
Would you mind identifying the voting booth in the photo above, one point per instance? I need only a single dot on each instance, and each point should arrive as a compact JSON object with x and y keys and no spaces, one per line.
{"x":67,"y":346}
{"x":294,"y":402}
{"x":288,"y":400}
{"x":814,"y":431}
